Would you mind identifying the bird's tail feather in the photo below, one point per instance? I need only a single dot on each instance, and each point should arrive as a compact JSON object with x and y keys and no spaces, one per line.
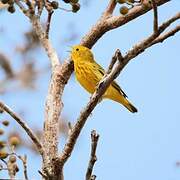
{"x":129,"y":106}
{"x":125,"y":102}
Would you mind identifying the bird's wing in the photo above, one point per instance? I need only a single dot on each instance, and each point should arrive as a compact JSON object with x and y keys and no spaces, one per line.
{"x":114,"y":84}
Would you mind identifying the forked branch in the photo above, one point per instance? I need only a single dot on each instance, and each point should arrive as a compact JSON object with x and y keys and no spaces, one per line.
{"x":93,"y":158}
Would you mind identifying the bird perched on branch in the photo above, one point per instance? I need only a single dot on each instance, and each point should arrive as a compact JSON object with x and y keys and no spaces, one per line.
{"x":89,"y":73}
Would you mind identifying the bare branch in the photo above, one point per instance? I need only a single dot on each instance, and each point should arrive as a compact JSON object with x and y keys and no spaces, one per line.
{"x":110,"y":8}
{"x":167,"y":23}
{"x":136,"y":11}
{"x":20,"y":121}
{"x":112,"y":63}
{"x":24,"y":161}
{"x":143,"y":45}
{"x":31,"y":8}
{"x":41,"y":5}
{"x":166,"y":35}
{"x":155,"y":22}
{"x":42,"y":174}
{"x":51,"y":128}
{"x":44,"y":41}
{"x":22,"y":8}
{"x":93,"y":158}
{"x":50,"y":13}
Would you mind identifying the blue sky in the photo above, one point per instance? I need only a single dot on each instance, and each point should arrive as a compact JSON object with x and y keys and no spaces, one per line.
{"x":131,"y":146}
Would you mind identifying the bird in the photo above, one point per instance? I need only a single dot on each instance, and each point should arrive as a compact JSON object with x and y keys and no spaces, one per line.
{"x":89,"y":73}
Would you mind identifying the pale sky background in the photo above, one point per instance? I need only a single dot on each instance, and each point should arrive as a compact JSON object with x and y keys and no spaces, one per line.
{"x":142,"y":146}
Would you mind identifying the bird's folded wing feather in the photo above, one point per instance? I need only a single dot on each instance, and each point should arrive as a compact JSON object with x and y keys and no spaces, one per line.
{"x":102,"y":72}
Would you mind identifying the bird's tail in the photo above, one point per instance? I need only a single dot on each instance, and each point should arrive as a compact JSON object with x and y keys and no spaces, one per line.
{"x":125,"y":102}
{"x":129,"y":106}
{"x":119,"y":97}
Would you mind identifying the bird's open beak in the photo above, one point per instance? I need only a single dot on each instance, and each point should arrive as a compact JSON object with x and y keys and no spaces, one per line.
{"x":69,"y":50}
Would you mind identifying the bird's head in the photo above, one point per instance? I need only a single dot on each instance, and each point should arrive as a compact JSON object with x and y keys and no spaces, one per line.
{"x":81,"y":53}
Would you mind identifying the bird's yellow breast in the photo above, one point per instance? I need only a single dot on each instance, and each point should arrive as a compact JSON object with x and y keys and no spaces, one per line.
{"x":86,"y":76}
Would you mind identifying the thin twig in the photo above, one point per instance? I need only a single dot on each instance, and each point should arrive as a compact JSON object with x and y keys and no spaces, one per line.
{"x":93,"y":177}
{"x":42,"y":174}
{"x":155,"y":21}
{"x":110,"y":8}
{"x":41,"y":5}
{"x":113,"y":61}
{"x":21,"y":122}
{"x":48,"y":23}
{"x":31,"y":8}
{"x":143,"y":45}
{"x":47,"y":45}
{"x":93,"y":158}
{"x":166,"y":35}
{"x":24,"y":161}
{"x":22,"y":7}
{"x":3,"y":161}
{"x":169,"y":22}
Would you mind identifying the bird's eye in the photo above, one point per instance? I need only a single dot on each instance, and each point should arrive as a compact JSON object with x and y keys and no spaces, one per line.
{"x":77,"y":49}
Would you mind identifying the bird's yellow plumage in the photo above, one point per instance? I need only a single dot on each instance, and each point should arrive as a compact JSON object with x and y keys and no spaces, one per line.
{"x":89,"y":73}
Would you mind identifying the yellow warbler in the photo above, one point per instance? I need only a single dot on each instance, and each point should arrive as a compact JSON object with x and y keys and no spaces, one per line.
{"x":89,"y":73}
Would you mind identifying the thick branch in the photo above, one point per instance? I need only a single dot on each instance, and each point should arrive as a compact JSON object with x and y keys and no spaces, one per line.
{"x":93,"y":158}
{"x":117,"y":21}
{"x":52,"y":112}
{"x":20,"y":121}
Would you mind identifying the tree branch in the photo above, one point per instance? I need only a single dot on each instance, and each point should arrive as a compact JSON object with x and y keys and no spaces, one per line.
{"x":110,"y":8}
{"x":24,"y":161}
{"x":143,"y":45}
{"x":166,"y":35}
{"x":20,"y":121}
{"x":52,"y":112}
{"x":155,"y":22}
{"x":93,"y":158}
{"x":136,"y":11}
{"x":50,"y":13}
{"x":47,"y":45}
